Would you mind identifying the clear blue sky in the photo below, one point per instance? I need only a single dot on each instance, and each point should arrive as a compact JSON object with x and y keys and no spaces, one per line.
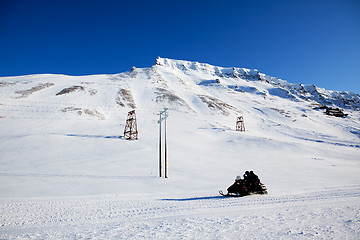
{"x":301,"y":41}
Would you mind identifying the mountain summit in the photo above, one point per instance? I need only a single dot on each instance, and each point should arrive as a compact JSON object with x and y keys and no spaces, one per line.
{"x":178,"y":84}
{"x":272,"y":86}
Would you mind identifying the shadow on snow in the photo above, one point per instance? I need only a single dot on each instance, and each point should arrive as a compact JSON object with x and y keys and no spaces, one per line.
{"x":49,"y":175}
{"x":94,"y":136}
{"x":192,"y":199}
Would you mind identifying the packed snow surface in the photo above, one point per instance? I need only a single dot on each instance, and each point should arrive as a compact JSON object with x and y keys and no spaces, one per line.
{"x":68,"y":173}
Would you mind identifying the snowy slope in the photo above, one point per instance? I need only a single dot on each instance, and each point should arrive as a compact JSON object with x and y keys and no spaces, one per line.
{"x":61,"y":144}
{"x":330,"y":214}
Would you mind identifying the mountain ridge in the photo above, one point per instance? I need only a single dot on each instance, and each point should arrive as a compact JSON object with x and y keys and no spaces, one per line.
{"x":243,"y":82}
{"x":343,"y":99}
{"x":177,"y":84}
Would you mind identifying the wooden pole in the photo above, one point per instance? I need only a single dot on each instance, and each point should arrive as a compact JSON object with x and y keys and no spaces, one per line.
{"x":160,"y":168}
{"x":166,"y":176}
{"x":163,"y":116}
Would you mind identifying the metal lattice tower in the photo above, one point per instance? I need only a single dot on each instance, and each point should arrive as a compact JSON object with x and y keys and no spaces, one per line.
{"x":240,"y":124}
{"x":131,"y":132}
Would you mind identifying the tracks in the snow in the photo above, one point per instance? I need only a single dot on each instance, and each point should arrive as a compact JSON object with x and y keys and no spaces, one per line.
{"x":51,"y":212}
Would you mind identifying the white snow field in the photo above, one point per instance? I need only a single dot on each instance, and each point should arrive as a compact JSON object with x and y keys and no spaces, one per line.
{"x":68,"y":173}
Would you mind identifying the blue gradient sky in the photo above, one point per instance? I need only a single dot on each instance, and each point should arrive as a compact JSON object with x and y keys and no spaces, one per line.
{"x":301,"y":41}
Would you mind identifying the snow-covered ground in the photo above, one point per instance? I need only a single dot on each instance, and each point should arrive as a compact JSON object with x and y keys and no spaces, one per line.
{"x":67,"y":172}
{"x":327,"y":214}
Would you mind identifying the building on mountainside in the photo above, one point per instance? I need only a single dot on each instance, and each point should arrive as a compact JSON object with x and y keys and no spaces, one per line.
{"x":336,"y":112}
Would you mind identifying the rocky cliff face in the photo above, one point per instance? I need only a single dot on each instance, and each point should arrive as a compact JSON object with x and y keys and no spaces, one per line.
{"x":276,"y":86}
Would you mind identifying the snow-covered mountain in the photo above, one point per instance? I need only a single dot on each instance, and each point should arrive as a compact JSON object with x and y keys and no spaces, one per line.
{"x":61,"y":143}
{"x":196,"y":90}
{"x":178,"y":84}
{"x":242,"y":80}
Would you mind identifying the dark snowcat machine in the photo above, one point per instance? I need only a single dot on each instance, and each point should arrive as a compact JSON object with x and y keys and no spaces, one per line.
{"x":251,"y":184}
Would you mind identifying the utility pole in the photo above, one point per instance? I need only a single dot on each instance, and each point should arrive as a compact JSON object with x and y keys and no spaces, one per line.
{"x":163,"y":115}
{"x":166,"y":176}
{"x":160,"y":167}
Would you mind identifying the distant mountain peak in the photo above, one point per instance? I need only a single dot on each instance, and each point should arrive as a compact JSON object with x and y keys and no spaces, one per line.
{"x":235,"y":72}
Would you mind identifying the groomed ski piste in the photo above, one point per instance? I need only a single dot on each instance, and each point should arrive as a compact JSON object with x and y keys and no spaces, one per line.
{"x":68,"y":173}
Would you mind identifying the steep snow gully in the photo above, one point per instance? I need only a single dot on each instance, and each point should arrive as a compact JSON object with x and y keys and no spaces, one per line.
{"x":66,"y":171}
